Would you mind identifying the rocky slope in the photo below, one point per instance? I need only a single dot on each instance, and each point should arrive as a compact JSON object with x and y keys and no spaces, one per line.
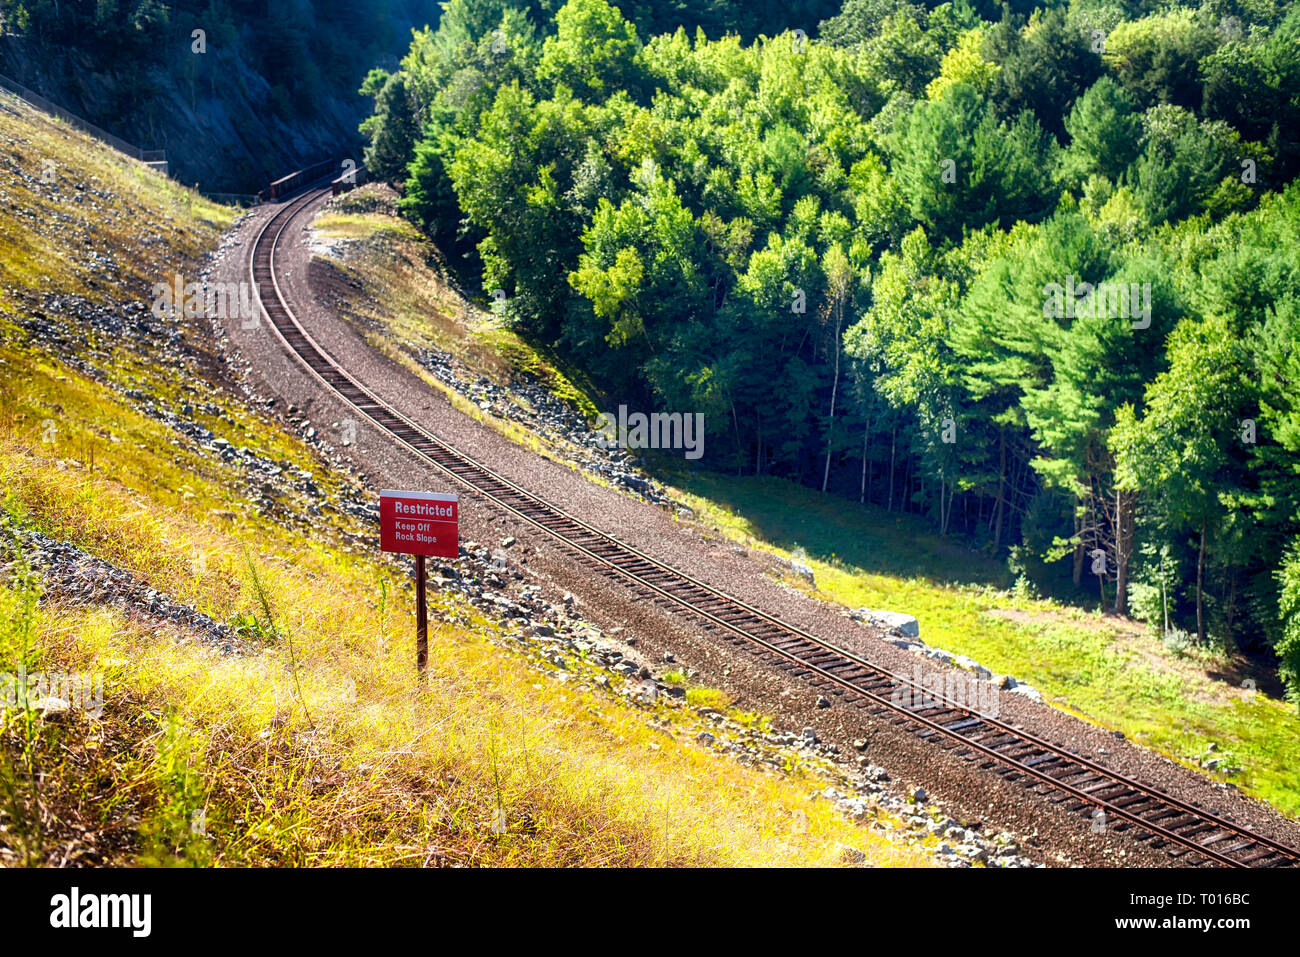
{"x":226,"y":122}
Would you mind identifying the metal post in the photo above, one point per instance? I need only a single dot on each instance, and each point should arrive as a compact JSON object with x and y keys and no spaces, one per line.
{"x":421,"y":621}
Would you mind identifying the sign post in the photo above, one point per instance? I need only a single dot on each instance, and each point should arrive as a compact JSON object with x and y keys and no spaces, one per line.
{"x":421,"y":621}
{"x":419,"y":524}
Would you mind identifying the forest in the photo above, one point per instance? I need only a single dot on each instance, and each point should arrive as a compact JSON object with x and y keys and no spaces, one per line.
{"x":1029,"y":270}
{"x":301,"y":49}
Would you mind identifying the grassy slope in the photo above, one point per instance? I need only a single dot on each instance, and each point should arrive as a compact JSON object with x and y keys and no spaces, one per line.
{"x":320,"y":748}
{"x":1106,"y":670}
{"x":420,"y":312}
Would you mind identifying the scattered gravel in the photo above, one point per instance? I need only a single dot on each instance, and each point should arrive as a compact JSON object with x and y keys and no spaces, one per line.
{"x":71,"y":575}
{"x":531,"y":405}
{"x":558,"y":642}
{"x":985,"y":801}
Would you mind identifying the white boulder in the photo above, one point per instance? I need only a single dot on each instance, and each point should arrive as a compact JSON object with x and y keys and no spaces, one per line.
{"x":905,"y":625}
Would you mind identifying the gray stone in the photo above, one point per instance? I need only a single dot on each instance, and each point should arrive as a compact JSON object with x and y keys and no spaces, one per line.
{"x":804,"y":572}
{"x":905,"y":626}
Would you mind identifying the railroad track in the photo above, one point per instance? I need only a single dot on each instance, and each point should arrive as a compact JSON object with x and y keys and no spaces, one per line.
{"x":1192,"y":834}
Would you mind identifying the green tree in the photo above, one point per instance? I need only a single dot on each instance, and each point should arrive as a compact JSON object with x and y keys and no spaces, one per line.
{"x":840,"y":282}
{"x":1044,"y":67}
{"x":964,"y":63}
{"x":1182,"y":163}
{"x":1253,"y":83}
{"x":1156,"y":58}
{"x":593,"y":50}
{"x":429,"y":199}
{"x":1179,"y":448}
{"x":511,"y":180}
{"x":959,"y":167}
{"x":1105,"y":134}
{"x":903,"y":55}
{"x":1288,"y":643}
{"x":391,"y":128}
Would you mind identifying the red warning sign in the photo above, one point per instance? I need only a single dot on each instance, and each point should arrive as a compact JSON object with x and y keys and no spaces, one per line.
{"x":418,"y":523}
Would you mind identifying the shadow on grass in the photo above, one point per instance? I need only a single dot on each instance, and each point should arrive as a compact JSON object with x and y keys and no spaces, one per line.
{"x":835,"y":530}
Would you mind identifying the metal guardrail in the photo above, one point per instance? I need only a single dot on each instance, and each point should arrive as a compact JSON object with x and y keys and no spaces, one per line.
{"x":156,"y":158}
{"x":288,"y":185}
{"x":34,"y":99}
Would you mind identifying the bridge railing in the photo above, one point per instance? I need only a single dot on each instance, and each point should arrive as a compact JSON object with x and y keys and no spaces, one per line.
{"x":34,"y":99}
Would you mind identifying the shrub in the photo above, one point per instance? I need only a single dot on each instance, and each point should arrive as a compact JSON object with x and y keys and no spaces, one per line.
{"x":1145,"y":603}
{"x":1177,"y":641}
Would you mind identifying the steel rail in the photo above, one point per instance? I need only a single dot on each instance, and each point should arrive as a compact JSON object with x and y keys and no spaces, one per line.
{"x":528,"y":507}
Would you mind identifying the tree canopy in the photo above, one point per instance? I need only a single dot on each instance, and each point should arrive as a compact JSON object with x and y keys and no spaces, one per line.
{"x":1027,"y":269}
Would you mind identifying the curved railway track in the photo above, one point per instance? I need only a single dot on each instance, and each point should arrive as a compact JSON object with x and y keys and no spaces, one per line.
{"x":1191,"y":834}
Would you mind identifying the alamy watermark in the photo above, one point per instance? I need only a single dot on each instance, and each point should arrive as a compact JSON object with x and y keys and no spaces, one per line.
{"x":1105,"y":300}
{"x":658,"y":430}
{"x":82,"y":691}
{"x":133,"y":912}
{"x":214,"y":300}
{"x":941,"y":689}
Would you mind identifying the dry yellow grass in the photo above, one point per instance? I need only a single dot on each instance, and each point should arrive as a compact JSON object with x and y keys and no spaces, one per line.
{"x":331,"y":753}
{"x":317,"y":747}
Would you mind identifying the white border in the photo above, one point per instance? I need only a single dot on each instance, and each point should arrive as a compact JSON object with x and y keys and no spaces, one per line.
{"x":434,"y":496}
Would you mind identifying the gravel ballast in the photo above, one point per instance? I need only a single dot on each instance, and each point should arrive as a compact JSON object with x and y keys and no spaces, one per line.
{"x":980,"y":798}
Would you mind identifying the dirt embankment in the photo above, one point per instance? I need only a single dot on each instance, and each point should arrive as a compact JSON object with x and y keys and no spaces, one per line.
{"x":977,"y":797}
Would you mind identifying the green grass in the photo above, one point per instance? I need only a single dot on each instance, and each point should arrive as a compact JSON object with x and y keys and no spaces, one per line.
{"x":1105,"y":670}
{"x":701,"y":697}
{"x":1108,"y":671}
{"x":707,"y":698}
{"x":319,"y":746}
{"x":364,"y":225}
{"x":833,"y":529}
{"x":565,"y":382}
